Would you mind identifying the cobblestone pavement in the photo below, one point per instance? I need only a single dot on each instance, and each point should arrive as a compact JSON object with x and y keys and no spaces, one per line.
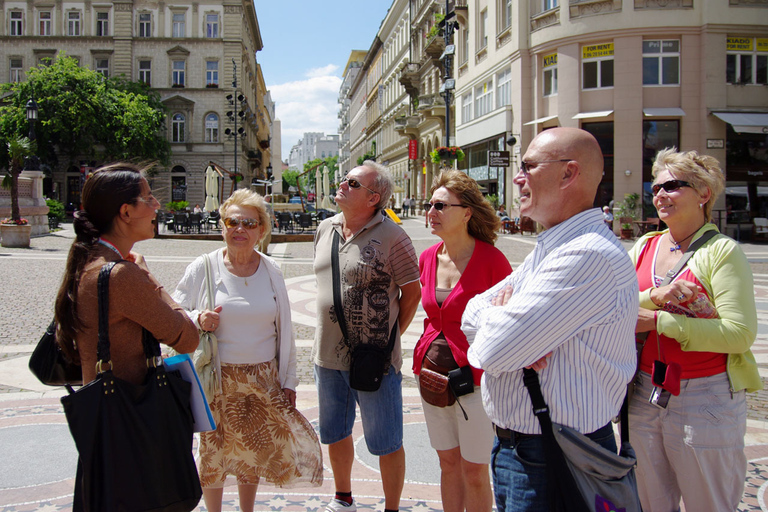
{"x":38,"y":456}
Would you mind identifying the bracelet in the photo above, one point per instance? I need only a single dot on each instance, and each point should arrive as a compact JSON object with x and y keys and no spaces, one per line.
{"x":655,"y":318}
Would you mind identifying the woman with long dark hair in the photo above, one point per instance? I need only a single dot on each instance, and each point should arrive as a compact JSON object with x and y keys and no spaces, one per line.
{"x":118,"y":211}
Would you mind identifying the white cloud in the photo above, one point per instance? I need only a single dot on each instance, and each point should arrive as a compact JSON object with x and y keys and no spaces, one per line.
{"x":309,"y":105}
{"x":330,"y":69}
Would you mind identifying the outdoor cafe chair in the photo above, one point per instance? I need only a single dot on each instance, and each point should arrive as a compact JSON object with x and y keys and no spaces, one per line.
{"x":195,"y":221}
{"x":180,"y":223}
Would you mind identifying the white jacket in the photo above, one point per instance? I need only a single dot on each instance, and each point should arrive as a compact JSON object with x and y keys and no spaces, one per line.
{"x":191,"y":295}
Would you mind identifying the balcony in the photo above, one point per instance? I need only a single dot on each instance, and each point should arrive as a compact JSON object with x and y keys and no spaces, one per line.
{"x":407,"y":125}
{"x":254,"y":155}
{"x":435,"y":46}
{"x":409,"y":78}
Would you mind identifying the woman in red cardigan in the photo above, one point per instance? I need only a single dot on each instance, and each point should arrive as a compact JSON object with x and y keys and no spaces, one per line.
{"x":453,"y":271}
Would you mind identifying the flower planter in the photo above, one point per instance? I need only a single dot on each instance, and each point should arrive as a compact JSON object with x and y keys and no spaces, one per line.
{"x":15,"y":236}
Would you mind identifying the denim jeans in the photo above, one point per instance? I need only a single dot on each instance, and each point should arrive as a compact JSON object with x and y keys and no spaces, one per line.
{"x":519,"y":471}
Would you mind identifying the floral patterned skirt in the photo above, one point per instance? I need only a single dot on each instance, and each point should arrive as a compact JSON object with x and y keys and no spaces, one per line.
{"x":258,"y":433}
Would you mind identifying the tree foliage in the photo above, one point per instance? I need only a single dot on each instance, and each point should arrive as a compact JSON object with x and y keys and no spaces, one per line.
{"x":289,"y":178}
{"x":18,"y":149}
{"x":83,"y":115}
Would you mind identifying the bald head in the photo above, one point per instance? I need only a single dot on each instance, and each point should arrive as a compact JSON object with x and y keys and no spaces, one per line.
{"x":565,"y":168}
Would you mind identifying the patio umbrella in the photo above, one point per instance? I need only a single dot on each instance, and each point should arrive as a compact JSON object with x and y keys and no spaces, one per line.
{"x":327,"y":203}
{"x":318,"y":190}
{"x":211,"y":190}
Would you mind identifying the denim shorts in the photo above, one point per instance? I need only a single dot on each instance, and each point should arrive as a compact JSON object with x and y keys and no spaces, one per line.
{"x":381,"y":411}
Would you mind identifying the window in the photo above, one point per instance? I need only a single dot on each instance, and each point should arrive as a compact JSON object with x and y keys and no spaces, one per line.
{"x":483,"y":99}
{"x":145,"y":24}
{"x":145,"y":71}
{"x":212,"y":72}
{"x":177,"y":127}
{"x":102,"y":24}
{"x":482,"y":42}
{"x":597,"y":66}
{"x":464,"y":55}
{"x":45,"y":23}
{"x":73,"y":23}
{"x":744,"y":65}
{"x":504,"y":88}
{"x":466,"y":108}
{"x":177,"y":80}
{"x":179,"y":24}
{"x":102,"y":66}
{"x":16,"y":71}
{"x":661,"y":62}
{"x":505,"y":14}
{"x":549,"y":4}
{"x":550,"y":74}
{"x":17,"y":27}
{"x":178,"y":185}
{"x":211,"y":128}
{"x":212,"y":25}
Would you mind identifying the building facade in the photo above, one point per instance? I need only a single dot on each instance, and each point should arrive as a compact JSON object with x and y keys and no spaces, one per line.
{"x":351,"y":70}
{"x":696,"y":81}
{"x":193,"y":54}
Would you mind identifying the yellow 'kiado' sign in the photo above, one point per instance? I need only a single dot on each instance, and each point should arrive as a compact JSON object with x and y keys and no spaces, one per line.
{"x":550,"y":60}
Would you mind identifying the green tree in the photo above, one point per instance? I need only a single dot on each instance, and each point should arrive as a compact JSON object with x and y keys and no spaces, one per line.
{"x":84,"y":115}
{"x":289,"y":178}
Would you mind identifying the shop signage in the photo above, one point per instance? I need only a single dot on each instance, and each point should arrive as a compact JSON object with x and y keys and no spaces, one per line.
{"x":594,"y":51}
{"x":413,"y":149}
{"x":498,"y":159}
{"x":550,"y":60}
{"x":735,"y":44}
{"x":715,"y":143}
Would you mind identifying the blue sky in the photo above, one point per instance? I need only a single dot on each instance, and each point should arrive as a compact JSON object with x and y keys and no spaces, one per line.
{"x":306,"y":46}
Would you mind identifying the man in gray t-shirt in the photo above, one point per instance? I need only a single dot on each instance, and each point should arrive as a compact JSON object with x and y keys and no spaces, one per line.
{"x":379,"y":284}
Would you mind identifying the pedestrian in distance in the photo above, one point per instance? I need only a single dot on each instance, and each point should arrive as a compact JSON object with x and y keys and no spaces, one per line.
{"x":118,"y":210}
{"x":453,"y":271}
{"x":259,"y":432}
{"x":688,"y":414}
{"x":378,"y":293}
{"x":568,"y":312}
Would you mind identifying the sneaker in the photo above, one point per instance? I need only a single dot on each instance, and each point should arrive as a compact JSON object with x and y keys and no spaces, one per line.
{"x":337,"y":505}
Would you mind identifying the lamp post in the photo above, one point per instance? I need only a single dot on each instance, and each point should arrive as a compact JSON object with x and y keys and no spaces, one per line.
{"x":32,"y":162}
{"x":234,"y":100}
{"x":449,"y":83}
{"x":269,"y":176}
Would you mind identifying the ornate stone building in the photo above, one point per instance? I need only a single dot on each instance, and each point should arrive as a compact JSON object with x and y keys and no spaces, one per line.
{"x":192,"y":53}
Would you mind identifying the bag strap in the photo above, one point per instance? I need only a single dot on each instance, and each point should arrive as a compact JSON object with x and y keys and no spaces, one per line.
{"x":149,"y":342}
{"x":338,"y":309}
{"x":336,"y":275}
{"x":209,"y":282}
{"x":686,"y":256}
{"x":541,"y":410}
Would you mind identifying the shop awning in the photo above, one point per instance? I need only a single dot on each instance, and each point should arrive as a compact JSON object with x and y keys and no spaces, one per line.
{"x":539,"y":120}
{"x":589,"y":115}
{"x":663,"y":112}
{"x":745,"y":122}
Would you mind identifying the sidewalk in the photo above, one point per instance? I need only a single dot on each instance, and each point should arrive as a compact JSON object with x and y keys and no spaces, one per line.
{"x":39,"y":457}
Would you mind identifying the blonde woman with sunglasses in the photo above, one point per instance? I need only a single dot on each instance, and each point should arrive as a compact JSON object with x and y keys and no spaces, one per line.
{"x":688,"y":414}
{"x":260,"y":433}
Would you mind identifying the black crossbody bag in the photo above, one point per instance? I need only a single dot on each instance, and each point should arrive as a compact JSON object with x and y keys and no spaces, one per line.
{"x":368,"y":361}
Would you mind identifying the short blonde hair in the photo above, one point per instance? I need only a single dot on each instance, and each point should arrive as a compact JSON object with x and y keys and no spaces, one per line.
{"x":246,"y":197}
{"x":701,"y":171}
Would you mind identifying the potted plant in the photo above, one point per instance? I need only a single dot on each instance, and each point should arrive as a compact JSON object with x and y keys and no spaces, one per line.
{"x":15,"y":230}
{"x":444,"y":154}
{"x":55,"y":213}
{"x":177,"y":206}
{"x":628,"y":214}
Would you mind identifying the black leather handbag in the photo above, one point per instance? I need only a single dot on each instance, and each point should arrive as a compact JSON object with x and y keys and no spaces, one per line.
{"x":134,"y":441}
{"x":49,"y":364}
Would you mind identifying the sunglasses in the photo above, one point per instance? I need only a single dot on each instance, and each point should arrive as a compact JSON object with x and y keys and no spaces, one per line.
{"x":669,"y":186}
{"x":353,"y":183}
{"x":527,"y":167}
{"x":439,"y":205}
{"x":232,"y":223}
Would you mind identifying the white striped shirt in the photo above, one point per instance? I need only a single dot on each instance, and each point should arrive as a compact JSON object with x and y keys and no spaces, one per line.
{"x":575,"y":295}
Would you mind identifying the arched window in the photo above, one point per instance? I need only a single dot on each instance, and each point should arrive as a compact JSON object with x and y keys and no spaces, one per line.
{"x":212,"y":128}
{"x":177,"y":125}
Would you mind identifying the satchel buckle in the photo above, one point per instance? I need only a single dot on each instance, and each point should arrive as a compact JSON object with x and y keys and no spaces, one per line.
{"x":99,"y":366}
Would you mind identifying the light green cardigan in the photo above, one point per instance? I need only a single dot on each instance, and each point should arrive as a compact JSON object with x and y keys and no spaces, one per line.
{"x":722,"y":268}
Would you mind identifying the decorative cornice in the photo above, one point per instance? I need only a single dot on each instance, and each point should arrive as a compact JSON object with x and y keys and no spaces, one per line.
{"x":748,"y":3}
{"x":663,"y":4}
{"x":123,"y":7}
{"x":233,"y":9}
{"x":585,"y":8}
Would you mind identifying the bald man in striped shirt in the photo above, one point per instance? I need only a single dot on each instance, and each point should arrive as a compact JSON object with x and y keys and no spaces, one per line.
{"x":569,"y":311}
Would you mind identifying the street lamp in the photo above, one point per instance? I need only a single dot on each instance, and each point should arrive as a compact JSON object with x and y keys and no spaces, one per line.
{"x":32,"y":163}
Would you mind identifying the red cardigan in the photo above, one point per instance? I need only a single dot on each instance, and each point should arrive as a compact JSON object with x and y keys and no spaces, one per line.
{"x":486,"y":267}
